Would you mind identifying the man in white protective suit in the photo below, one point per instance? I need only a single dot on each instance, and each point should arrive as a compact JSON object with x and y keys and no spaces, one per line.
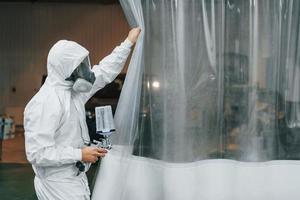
{"x":56,"y":135}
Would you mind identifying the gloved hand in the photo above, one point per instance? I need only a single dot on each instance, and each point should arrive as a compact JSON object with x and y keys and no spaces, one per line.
{"x":133,"y":34}
{"x":92,"y":154}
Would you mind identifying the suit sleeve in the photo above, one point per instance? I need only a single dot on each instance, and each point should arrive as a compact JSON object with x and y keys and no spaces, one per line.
{"x":109,"y":67}
{"x":41,"y":120}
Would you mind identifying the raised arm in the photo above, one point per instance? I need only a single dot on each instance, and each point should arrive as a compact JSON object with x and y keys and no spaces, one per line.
{"x":109,"y":67}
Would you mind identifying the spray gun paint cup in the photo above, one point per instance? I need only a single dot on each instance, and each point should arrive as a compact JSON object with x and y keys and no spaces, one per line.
{"x":105,"y":126}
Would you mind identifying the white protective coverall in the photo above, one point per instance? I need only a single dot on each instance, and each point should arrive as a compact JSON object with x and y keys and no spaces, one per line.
{"x":54,"y":121}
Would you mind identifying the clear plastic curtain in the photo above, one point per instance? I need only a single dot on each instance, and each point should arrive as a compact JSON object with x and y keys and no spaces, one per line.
{"x":210,"y":108}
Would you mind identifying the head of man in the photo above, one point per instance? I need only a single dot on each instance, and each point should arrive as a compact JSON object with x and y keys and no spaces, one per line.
{"x":69,"y":67}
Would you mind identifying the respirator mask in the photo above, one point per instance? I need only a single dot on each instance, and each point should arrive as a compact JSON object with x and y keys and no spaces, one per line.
{"x":82,"y":77}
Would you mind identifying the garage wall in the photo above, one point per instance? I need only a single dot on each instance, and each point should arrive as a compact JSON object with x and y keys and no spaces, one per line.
{"x":29,"y":30}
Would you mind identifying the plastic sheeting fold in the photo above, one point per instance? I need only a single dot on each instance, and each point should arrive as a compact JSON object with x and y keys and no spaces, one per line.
{"x":210,"y":105}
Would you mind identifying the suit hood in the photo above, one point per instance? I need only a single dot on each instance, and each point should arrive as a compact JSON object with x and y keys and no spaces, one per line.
{"x":62,"y":60}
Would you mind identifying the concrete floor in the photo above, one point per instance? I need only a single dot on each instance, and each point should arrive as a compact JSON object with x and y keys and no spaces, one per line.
{"x":16,"y":182}
{"x":16,"y":174}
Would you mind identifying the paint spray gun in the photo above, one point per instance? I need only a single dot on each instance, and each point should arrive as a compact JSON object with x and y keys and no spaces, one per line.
{"x":104,"y":128}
